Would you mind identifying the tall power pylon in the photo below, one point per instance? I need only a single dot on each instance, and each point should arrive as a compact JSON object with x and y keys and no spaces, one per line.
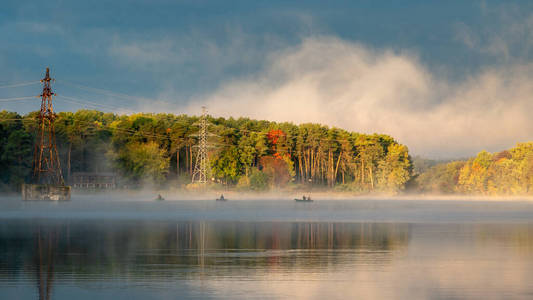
{"x":201,"y":168}
{"x":46,"y":165}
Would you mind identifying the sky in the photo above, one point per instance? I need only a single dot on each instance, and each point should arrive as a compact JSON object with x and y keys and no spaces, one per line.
{"x":446,"y":78}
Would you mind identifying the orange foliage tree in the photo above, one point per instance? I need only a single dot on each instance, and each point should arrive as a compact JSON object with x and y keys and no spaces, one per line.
{"x":276,"y":169}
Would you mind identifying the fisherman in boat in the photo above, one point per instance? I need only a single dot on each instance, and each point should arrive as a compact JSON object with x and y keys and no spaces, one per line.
{"x":222,"y":197}
{"x":303,"y":197}
{"x":159,"y":197}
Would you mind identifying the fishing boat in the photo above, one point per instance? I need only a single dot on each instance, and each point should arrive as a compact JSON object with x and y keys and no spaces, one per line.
{"x":221,"y":198}
{"x":303,"y":199}
{"x":159,"y":198}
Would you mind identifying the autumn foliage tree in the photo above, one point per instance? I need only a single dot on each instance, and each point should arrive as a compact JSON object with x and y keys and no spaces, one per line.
{"x":509,"y":172}
{"x":276,"y":169}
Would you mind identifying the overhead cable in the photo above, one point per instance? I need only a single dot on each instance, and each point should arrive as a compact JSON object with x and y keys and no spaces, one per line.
{"x":16,"y":99}
{"x":18,"y":84}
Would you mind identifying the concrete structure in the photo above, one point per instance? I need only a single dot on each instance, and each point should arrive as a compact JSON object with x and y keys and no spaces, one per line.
{"x":93,"y":181}
{"x":39,"y":192}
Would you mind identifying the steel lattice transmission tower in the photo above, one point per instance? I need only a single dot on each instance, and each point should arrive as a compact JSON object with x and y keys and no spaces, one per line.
{"x":46,"y":165}
{"x":201,"y":168}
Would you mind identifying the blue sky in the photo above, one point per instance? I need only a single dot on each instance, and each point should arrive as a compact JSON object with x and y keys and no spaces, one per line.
{"x":176,"y":55}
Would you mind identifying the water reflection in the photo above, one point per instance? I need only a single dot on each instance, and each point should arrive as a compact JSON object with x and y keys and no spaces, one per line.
{"x":227,"y":235}
{"x":44,"y":255}
{"x":62,"y":251}
{"x":159,"y":259}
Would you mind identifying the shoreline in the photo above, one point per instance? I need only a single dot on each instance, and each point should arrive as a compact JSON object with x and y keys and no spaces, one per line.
{"x":175,"y":195}
{"x":184,"y":194}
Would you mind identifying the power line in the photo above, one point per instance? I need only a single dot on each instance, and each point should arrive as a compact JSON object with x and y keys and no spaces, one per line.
{"x":159,"y":136}
{"x":132,"y":131}
{"x":94,"y":104}
{"x":119,"y":95}
{"x":155,"y":135}
{"x":122,"y":96}
{"x":108,"y":127}
{"x":16,"y":99}
{"x":18,"y":84}
{"x":102,"y":91}
{"x":21,"y":120}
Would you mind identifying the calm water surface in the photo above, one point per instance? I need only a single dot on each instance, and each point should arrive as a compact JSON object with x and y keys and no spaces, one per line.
{"x":101,"y":248}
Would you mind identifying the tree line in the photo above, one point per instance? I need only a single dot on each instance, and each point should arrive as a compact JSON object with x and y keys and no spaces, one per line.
{"x":508,"y":172}
{"x":159,"y":149}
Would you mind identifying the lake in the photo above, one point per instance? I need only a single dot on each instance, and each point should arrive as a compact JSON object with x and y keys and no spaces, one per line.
{"x":98,"y":247}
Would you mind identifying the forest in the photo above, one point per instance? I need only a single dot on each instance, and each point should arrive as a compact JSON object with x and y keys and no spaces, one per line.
{"x":508,"y":172}
{"x":158,"y":150}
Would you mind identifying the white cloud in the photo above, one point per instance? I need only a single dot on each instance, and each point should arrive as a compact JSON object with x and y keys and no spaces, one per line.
{"x":339,"y":83}
{"x":332,"y":81}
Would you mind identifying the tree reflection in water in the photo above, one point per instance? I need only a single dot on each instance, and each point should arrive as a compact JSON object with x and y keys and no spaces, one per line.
{"x":152,"y":250}
{"x":163,"y":259}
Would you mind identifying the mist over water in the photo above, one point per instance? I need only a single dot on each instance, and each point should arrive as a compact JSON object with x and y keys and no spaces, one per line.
{"x":123,"y":248}
{"x":267,"y":208}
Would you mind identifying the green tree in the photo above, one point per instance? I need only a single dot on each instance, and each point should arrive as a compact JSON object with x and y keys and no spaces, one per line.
{"x":17,"y":158}
{"x":227,"y":166}
{"x":142,"y":161}
{"x":259,"y":181}
{"x":395,"y":169}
